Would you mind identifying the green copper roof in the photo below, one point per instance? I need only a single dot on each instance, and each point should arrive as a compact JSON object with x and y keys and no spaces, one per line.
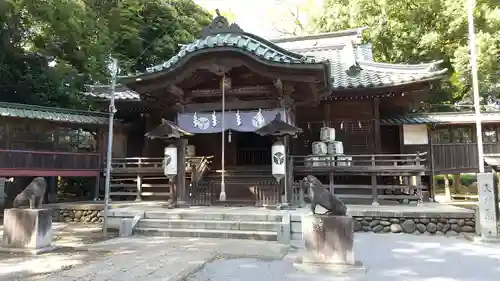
{"x":242,"y":42}
{"x":103,"y":92}
{"x":348,"y":66}
{"x":372,"y":74}
{"x":441,"y":118}
{"x":407,"y":120}
{"x":53,"y":114}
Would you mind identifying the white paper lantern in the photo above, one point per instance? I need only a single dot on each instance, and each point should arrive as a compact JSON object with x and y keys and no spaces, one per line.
{"x":278,"y":160}
{"x":327,"y":134}
{"x":170,"y":164}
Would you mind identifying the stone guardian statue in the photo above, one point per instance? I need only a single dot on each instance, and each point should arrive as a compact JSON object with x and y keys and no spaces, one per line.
{"x":32,"y":194}
{"x":321,"y":196}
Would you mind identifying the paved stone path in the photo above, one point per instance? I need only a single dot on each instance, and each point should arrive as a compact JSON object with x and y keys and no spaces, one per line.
{"x":386,"y":257}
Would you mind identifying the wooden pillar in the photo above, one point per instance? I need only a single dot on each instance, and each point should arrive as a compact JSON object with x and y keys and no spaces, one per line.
{"x":51,"y":190}
{"x":181,"y":174}
{"x":288,"y":180}
{"x":331,"y":180}
{"x":457,"y":184}
{"x":97,"y":188}
{"x":376,"y":125}
{"x":374,"y":186}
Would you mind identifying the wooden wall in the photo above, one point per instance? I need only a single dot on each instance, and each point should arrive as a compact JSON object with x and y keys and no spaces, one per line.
{"x":459,"y":154}
{"x":353,"y":121}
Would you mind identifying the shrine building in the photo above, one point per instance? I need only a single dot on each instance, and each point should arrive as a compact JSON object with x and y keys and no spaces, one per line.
{"x":226,"y":98}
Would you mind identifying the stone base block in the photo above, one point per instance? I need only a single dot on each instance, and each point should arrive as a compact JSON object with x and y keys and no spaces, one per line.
{"x":27,"y":230}
{"x":482,"y":240}
{"x":328,"y":239}
{"x":328,"y":268}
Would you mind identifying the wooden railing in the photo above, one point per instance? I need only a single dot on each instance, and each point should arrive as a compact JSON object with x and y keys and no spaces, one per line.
{"x":361,"y":164}
{"x":143,"y":176}
{"x":398,"y":193}
{"x":199,"y":167}
{"x":253,"y":156}
{"x":18,"y":160}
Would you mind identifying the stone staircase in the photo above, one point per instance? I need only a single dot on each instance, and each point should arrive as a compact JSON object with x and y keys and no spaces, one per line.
{"x":239,"y":183}
{"x":211,"y":225}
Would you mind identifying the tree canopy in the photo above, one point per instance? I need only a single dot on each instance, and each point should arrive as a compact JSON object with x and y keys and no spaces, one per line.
{"x":51,"y":49}
{"x":413,"y":31}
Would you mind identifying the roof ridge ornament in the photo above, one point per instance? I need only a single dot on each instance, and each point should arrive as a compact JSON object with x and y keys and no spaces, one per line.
{"x":219,"y":25}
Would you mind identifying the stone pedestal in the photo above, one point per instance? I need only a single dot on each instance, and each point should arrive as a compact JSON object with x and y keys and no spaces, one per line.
{"x":27,"y":230}
{"x":329,"y":242}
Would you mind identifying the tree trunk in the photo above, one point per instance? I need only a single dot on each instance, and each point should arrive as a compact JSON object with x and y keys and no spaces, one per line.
{"x":457,"y":184}
{"x":447,"y":191}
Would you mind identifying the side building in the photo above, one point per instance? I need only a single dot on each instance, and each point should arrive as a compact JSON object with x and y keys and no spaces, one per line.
{"x":37,"y":141}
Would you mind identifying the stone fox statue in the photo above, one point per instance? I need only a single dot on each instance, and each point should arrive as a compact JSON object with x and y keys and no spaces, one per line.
{"x":33,"y":193}
{"x":321,"y":196}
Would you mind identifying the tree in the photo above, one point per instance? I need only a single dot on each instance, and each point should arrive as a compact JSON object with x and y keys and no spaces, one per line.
{"x":80,"y":36}
{"x":412,"y":31}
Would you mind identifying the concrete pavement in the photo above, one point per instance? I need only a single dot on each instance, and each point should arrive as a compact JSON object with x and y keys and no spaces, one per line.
{"x":386,"y":257}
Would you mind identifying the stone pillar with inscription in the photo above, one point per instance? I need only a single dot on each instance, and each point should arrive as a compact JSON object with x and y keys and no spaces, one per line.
{"x":488,"y":205}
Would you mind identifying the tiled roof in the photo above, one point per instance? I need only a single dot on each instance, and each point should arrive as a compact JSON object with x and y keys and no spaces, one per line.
{"x":121,"y":93}
{"x":327,"y":49}
{"x":441,"y":118}
{"x":241,"y":41}
{"x":372,"y":74}
{"x":53,"y":114}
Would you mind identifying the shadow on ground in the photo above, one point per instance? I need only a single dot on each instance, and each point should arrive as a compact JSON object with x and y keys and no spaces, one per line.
{"x":70,"y":240}
{"x":386,"y":258}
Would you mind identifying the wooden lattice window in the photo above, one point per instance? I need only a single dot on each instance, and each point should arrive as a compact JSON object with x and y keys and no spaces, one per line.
{"x":31,"y":137}
{"x":462,"y":135}
{"x":75,"y":140}
{"x":490,"y":134}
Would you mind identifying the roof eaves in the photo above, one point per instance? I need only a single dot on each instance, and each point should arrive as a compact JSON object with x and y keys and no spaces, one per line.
{"x":354,"y":31}
{"x":401,"y":68}
{"x":54,"y":114}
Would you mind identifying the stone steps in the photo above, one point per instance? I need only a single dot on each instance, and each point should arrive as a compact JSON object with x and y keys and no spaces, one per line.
{"x":211,"y":216}
{"x":210,"y":225}
{"x":209,"y":233}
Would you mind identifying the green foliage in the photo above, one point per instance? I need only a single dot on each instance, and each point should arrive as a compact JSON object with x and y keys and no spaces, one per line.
{"x":80,"y":36}
{"x":413,"y":31}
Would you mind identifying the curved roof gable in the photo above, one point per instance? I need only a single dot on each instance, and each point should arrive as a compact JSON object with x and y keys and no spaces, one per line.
{"x":221,"y":35}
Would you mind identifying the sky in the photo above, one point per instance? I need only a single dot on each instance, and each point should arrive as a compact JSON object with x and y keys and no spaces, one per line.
{"x":253,"y":16}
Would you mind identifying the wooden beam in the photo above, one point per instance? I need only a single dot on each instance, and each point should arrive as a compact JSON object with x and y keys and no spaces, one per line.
{"x":309,"y":73}
{"x":231,"y":105}
{"x":15,"y":172}
{"x":176,"y":91}
{"x":252,"y":90}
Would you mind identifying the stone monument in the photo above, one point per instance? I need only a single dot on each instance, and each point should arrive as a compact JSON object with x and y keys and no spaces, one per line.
{"x":28,"y":230}
{"x":329,"y":237}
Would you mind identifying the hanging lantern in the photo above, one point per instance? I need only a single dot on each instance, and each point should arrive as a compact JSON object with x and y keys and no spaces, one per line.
{"x":170,"y":164}
{"x":278,"y":160}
